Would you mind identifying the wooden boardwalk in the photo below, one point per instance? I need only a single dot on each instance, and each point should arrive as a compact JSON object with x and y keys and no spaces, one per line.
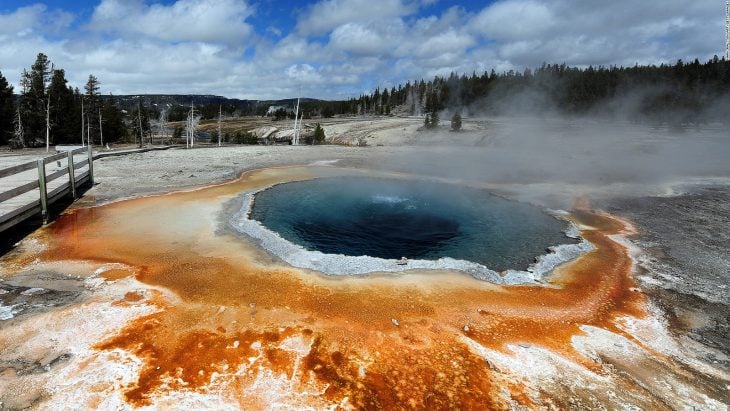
{"x":30,"y":188}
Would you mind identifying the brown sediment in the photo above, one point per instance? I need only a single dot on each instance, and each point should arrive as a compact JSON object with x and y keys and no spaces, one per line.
{"x":133,"y":297}
{"x":238,"y":320}
{"x":115,"y":274}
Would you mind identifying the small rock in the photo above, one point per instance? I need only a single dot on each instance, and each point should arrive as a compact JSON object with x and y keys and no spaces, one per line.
{"x":395,"y":322}
{"x":34,"y":291}
{"x":466,"y":328}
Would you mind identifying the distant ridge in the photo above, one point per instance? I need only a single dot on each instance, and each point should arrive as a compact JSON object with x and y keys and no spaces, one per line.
{"x":130,"y":101}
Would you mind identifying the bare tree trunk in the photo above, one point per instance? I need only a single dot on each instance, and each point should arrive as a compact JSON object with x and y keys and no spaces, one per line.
{"x":89,"y":140}
{"x":48,"y":116}
{"x":190,"y":127}
{"x":139,"y":122}
{"x":19,"y":133}
{"x":296,"y":117}
{"x":82,"y":121}
{"x":101,"y":132}
{"x":220,"y":116}
{"x":162,"y":125}
{"x":48,"y":122}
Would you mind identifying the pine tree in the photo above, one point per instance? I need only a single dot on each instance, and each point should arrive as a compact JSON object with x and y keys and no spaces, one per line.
{"x":319,"y":135}
{"x":434,"y":119}
{"x":65,"y":121}
{"x":456,"y":122}
{"x":33,"y":102}
{"x":114,"y":127}
{"x":92,"y":108}
{"x":7,"y":111}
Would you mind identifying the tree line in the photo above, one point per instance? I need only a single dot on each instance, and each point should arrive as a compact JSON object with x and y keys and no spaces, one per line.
{"x":685,"y":92}
{"x":49,"y":111}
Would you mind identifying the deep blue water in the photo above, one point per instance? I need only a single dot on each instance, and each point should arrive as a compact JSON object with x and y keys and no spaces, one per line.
{"x":390,"y":218}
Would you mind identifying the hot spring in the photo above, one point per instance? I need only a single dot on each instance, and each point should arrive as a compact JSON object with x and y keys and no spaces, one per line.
{"x":392,"y":218}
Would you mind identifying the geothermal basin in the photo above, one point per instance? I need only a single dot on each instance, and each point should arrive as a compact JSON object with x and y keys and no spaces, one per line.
{"x":218,"y":297}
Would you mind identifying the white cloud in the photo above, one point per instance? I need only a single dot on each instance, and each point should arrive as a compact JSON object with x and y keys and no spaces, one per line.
{"x":514,"y":20}
{"x":188,"y":46}
{"x":528,"y":32}
{"x":304,"y":73}
{"x":34,"y":19}
{"x":22,"y":20}
{"x":327,"y":15}
{"x":368,"y":39}
{"x":185,"y":20}
{"x":292,"y":48}
{"x":450,"y":41}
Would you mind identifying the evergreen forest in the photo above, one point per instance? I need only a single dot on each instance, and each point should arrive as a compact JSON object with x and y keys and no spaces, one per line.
{"x":693,"y":92}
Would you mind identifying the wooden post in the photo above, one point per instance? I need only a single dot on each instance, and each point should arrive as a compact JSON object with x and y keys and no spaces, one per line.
{"x":43,"y":190}
{"x":71,"y":174}
{"x":91,"y":166}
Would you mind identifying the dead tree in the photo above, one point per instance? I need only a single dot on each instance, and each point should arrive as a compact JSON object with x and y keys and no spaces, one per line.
{"x":220,"y":117}
{"x":162,"y":124}
{"x":139,"y":122}
{"x":19,"y":134}
{"x":101,"y":133}
{"x":82,"y":121}
{"x":191,"y":124}
{"x":48,"y":119}
{"x":89,"y":140}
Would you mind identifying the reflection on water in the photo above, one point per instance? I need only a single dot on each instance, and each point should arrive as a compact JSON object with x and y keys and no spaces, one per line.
{"x":390,"y":218}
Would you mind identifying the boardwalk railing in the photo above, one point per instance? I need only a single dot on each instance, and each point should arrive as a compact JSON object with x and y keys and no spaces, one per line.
{"x":23,"y":194}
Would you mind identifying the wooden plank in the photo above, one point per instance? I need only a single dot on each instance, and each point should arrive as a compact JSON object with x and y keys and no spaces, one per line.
{"x":18,"y":191}
{"x":18,"y":169}
{"x":80,"y":164}
{"x":79,"y":150}
{"x":20,"y":217}
{"x":82,"y":178}
{"x":59,"y":192}
{"x":91,"y":165}
{"x":43,"y":189}
{"x":59,"y":173}
{"x":71,"y":177}
{"x":65,"y":148}
{"x":18,"y":211}
{"x":54,"y":157}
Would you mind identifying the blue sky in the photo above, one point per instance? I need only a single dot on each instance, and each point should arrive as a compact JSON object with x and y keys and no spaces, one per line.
{"x":261,"y":49}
